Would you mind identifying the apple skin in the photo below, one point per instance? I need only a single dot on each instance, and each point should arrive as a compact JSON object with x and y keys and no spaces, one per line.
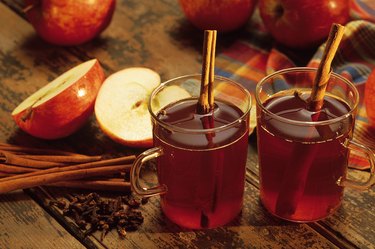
{"x":302,"y":24}
{"x":370,"y":98}
{"x":69,"y":22}
{"x":222,"y":15}
{"x":65,"y":113}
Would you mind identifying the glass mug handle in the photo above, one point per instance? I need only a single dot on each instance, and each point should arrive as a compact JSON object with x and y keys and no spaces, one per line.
{"x":344,"y":182}
{"x":136,"y":169}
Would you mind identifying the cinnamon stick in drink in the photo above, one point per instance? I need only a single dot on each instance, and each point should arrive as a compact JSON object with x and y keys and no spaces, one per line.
{"x":205,"y":107}
{"x":206,"y":99}
{"x":294,"y":179}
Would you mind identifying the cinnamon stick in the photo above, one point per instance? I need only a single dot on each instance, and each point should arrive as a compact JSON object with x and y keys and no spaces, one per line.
{"x":103,"y":185}
{"x":38,"y":180}
{"x":31,"y":150}
{"x":108,"y":162}
{"x":63,"y":159}
{"x":10,"y":158}
{"x":206,"y":98}
{"x":295,"y":176}
{"x":324,"y":70}
{"x":4,"y":174}
{"x":205,"y":107}
{"x":15,"y":169}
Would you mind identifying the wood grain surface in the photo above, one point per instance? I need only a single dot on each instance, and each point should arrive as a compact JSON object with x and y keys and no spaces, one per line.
{"x":153,"y":34}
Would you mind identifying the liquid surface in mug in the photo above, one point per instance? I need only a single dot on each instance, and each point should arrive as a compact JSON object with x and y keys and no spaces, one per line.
{"x":300,"y":165}
{"x":204,"y":172}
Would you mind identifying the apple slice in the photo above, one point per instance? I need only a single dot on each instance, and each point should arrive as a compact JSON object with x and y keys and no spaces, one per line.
{"x":169,"y":95}
{"x":234,"y":95}
{"x":121,"y":106}
{"x":61,"y":107}
{"x":146,"y":77}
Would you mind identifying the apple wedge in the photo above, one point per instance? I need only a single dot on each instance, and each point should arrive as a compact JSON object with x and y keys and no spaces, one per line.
{"x":169,"y":95}
{"x":121,"y":106}
{"x":61,"y":107}
{"x":233,"y":95}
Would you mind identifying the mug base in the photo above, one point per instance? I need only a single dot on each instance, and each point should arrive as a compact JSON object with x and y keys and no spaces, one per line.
{"x":299,"y":218}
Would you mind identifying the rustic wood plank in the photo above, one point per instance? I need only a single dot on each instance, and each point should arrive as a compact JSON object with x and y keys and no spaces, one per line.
{"x":154,"y":34}
{"x":24,"y":224}
{"x":253,"y":228}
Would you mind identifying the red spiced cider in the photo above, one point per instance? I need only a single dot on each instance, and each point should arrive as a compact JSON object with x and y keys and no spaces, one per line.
{"x":204,"y":172}
{"x":300,"y":165}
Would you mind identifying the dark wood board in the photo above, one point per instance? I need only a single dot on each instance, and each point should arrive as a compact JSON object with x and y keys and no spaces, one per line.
{"x":156,"y":35}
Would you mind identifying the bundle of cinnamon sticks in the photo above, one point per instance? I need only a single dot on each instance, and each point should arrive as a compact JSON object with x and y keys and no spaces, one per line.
{"x":26,"y":167}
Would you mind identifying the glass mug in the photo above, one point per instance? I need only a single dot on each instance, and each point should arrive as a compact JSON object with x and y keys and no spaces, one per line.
{"x":303,"y":155}
{"x":201,"y":161}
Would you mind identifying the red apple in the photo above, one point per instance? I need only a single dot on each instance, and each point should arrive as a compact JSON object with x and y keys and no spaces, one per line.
{"x":61,"y":107}
{"x":370,"y":97}
{"x":302,"y":24}
{"x":222,"y":15}
{"x":69,"y":22}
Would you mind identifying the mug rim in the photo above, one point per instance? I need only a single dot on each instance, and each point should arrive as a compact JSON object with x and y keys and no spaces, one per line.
{"x":306,"y":123}
{"x":199,"y":131}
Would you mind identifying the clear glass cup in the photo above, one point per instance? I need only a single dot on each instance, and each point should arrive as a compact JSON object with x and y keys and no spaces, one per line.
{"x":303,"y":155}
{"x":200,"y":161}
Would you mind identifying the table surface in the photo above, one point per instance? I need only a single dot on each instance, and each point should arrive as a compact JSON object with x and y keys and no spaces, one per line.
{"x":153,"y":34}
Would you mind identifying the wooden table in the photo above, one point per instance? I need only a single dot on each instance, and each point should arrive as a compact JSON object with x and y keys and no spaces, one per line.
{"x":152,"y":34}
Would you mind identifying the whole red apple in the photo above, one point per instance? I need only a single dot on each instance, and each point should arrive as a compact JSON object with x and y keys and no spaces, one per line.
{"x":370,"y":97}
{"x":69,"y":22}
{"x":222,"y":15}
{"x":62,"y":106}
{"x":302,"y":23}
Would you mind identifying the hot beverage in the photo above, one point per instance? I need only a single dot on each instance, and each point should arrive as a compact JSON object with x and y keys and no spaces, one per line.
{"x":201,"y":158}
{"x":300,"y":166}
{"x":204,"y":173}
{"x":303,"y":153}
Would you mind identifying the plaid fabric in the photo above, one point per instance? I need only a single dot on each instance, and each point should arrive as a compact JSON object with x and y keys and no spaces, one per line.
{"x":248,"y":61}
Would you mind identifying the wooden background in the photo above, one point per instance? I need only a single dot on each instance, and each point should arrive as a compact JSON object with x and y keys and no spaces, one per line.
{"x":153,"y":34}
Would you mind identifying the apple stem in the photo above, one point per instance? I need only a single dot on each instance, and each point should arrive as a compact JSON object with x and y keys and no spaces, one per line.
{"x":27,"y":114}
{"x":31,"y":6}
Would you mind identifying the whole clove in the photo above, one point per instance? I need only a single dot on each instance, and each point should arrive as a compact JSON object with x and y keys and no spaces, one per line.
{"x":93,"y":213}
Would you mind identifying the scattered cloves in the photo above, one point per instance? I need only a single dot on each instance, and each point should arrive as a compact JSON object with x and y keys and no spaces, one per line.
{"x":92,"y":212}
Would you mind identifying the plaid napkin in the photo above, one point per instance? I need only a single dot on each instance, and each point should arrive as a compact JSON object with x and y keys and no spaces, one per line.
{"x":247,"y":61}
